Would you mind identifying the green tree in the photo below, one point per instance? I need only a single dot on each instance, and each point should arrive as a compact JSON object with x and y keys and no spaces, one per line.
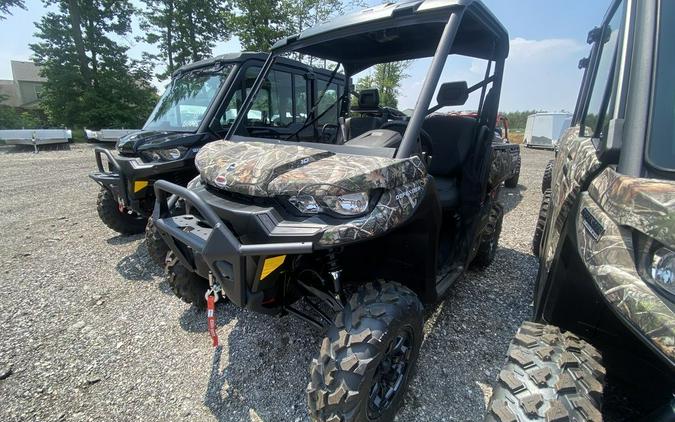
{"x":518,"y":119}
{"x":184,"y":31}
{"x":90,"y":81}
{"x":386,"y":77}
{"x":303,"y":14}
{"x":16,"y":118}
{"x":5,"y":5}
{"x":259,"y":23}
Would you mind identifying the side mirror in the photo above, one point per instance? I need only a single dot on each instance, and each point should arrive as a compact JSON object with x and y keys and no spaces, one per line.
{"x":453,"y":94}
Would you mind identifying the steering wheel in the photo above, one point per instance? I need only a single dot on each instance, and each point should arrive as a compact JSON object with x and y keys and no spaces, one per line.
{"x":425,"y":140}
{"x":326,"y":136}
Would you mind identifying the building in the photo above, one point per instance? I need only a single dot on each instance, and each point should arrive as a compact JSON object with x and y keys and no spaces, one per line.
{"x":23,"y":90}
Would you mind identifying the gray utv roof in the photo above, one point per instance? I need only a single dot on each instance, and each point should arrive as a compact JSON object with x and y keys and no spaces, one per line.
{"x":223,"y":58}
{"x":240,"y":57}
{"x":401,"y":31}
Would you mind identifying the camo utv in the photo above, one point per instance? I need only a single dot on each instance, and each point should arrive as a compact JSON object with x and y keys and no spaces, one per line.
{"x":604,"y":300}
{"x":355,"y":234}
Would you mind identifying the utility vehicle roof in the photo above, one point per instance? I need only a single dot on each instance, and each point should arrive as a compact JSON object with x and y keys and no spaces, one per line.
{"x":241,"y":57}
{"x":401,"y":31}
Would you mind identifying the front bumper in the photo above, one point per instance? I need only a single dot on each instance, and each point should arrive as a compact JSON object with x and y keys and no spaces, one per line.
{"x":205,"y":243}
{"x":130,"y":179}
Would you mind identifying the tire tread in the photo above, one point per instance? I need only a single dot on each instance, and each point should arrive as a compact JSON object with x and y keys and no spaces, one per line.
{"x":108,"y":211}
{"x":348,"y":351}
{"x":185,"y":284}
{"x":541,"y":223}
{"x":548,"y":376}
{"x":548,"y":176}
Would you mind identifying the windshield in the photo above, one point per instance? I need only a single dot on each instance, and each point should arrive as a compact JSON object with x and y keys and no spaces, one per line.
{"x":185,"y":101}
{"x":291,"y":103}
{"x":661,"y":146}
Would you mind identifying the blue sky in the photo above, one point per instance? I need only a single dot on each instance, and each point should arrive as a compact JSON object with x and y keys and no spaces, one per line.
{"x":547,"y":41}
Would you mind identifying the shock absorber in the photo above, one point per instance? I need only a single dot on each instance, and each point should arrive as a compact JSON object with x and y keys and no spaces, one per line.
{"x":334,"y":269}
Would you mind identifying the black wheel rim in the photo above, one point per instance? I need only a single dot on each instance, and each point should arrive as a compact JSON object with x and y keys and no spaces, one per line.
{"x":390,"y":374}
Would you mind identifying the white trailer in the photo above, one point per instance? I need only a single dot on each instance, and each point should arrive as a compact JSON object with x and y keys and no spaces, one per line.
{"x":543,"y":130}
{"x":107,"y":135}
{"x":36,"y":137}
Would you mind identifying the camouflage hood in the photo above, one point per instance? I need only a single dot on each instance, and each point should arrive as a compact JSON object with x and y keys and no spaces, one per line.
{"x":647,"y":205}
{"x":266,"y":169}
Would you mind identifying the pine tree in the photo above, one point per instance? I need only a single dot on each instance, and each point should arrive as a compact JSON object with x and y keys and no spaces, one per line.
{"x":184,"y":31}
{"x":5,"y":5}
{"x":90,"y":80}
{"x":259,"y":23}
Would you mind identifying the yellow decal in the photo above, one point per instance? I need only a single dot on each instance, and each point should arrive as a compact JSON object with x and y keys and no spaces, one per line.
{"x":272,"y":264}
{"x":140,"y":184}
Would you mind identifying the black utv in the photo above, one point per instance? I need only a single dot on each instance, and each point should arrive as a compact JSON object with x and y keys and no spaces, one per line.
{"x":198,"y":107}
{"x":357,"y":236}
{"x":604,"y":298}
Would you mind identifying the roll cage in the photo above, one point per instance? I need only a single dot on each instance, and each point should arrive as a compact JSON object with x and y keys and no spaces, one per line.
{"x":403,"y":31}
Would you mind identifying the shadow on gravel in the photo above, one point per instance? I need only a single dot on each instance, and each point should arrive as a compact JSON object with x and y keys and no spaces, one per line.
{"x":193,"y":320}
{"x":261,"y":350}
{"x":138,"y":266}
{"x":467,"y":335}
{"x":123,"y":239}
{"x":213,"y":399}
{"x":511,"y":197}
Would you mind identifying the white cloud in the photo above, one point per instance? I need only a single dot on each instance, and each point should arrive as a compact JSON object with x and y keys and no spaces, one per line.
{"x":542,"y":74}
{"x":539,"y":74}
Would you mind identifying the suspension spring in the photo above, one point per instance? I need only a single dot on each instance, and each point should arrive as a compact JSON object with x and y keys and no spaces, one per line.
{"x":334,"y":269}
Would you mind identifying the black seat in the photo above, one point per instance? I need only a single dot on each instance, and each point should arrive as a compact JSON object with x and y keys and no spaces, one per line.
{"x":371,"y":114}
{"x":452,"y":138}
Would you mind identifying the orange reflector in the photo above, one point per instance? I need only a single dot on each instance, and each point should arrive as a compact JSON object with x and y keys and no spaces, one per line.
{"x":271,"y":264}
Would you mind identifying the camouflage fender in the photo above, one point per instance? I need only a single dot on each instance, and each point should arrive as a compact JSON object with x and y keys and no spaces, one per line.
{"x":394,"y":207}
{"x":575,"y":161}
{"x":648,"y":205}
{"x":609,"y":259}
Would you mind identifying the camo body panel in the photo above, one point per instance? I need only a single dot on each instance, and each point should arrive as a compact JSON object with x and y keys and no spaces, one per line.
{"x":575,"y":161}
{"x":394,"y":207}
{"x":340,"y":174}
{"x":194,"y":182}
{"x":503,"y":166}
{"x":266,"y":170}
{"x":610,"y":262}
{"x":647,"y":205}
{"x":248,"y":167}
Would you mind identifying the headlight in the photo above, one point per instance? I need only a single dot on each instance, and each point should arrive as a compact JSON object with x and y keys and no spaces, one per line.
{"x":350,"y":204}
{"x":662,"y":269}
{"x":306,"y":204}
{"x":168,"y":154}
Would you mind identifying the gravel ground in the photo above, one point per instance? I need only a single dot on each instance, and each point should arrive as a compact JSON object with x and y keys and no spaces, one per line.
{"x":90,"y":330}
